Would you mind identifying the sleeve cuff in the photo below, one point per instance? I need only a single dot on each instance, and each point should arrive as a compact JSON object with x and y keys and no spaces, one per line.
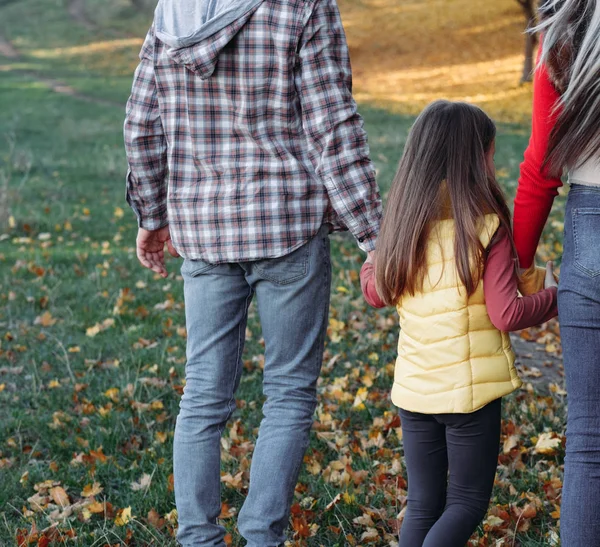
{"x":150,"y":221}
{"x":367,"y":231}
{"x":152,"y":224}
{"x":367,"y":240}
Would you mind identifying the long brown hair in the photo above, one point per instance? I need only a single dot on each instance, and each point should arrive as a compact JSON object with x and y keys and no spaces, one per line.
{"x":448,"y":142}
{"x":571,"y":51}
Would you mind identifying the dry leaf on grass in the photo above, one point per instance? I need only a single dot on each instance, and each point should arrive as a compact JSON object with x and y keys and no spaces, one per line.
{"x":143,"y":483}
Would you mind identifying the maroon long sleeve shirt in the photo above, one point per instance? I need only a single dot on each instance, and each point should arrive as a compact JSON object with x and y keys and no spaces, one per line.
{"x":507,"y":310}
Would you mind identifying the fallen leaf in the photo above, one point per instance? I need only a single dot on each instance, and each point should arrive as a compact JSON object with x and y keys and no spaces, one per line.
{"x":512,"y":441}
{"x":113,"y":394}
{"x":528,"y":512}
{"x":143,"y":483}
{"x":360,"y":398}
{"x":60,"y":496}
{"x":161,"y":437}
{"x":233,"y":481}
{"x":45,"y":320}
{"x":92,"y":331}
{"x":334,"y":502}
{"x":364,"y":520}
{"x":99,"y":327}
{"x":227,"y":511}
{"x":369,"y":535}
{"x":123,"y":517}
{"x":172,"y":517}
{"x":155,"y":519}
{"x":493,"y":522}
{"x":547,"y":444}
{"x":96,"y":507}
{"x":90,"y":490}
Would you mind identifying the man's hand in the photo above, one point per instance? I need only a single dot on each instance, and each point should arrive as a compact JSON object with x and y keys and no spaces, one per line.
{"x":370,"y":257}
{"x":150,"y":248}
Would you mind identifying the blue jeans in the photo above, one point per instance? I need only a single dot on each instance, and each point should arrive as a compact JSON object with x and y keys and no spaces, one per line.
{"x":292,"y":296}
{"x":579,"y":315}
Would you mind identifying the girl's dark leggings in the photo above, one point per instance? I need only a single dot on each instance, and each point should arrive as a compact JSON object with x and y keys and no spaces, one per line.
{"x":451,"y":463}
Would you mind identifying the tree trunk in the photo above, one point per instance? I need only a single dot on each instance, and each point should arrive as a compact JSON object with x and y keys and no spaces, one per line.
{"x":4,"y":210}
{"x":528,"y":7}
{"x":528,"y":64}
{"x":142,"y":5}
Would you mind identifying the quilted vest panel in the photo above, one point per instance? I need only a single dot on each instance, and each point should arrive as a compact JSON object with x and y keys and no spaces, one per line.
{"x":451,"y":358}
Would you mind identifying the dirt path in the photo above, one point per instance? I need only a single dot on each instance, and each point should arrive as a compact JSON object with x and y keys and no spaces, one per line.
{"x":536,"y":366}
{"x":77,"y":12}
{"x":9,"y":51}
{"x":64,"y":89}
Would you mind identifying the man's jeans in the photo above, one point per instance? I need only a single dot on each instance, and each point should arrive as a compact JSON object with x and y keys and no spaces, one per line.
{"x":292,"y":295}
{"x":579,"y":315}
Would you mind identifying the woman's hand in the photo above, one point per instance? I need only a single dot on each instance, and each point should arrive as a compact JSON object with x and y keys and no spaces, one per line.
{"x":531,"y":280}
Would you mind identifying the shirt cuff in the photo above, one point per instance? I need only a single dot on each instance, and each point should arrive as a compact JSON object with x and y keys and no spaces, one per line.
{"x":151,"y":224}
{"x":368,"y":238}
{"x":150,"y":221}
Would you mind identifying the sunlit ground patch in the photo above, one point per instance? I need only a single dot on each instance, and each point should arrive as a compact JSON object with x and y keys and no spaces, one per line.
{"x":407,"y":54}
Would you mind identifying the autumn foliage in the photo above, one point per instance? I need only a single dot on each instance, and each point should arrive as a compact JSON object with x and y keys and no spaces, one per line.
{"x":92,"y":347}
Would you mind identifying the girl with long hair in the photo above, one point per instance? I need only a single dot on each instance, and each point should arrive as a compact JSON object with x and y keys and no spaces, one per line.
{"x":566,"y":137}
{"x":445,"y":259}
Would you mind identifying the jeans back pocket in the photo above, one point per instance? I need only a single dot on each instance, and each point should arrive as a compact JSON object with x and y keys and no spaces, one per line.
{"x":285,"y":269}
{"x":195,"y":267}
{"x":586,"y":239}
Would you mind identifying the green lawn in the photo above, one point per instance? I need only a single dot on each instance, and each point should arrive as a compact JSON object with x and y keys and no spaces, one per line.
{"x":78,"y":410}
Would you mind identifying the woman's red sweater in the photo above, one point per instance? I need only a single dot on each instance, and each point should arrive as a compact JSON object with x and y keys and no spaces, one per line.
{"x":536,"y":190}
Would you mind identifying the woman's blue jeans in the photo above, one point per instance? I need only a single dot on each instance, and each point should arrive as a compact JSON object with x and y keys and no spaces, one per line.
{"x":292,"y":296}
{"x":579,"y":315}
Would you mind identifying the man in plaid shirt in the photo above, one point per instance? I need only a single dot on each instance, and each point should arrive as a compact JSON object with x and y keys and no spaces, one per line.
{"x":245,"y":150}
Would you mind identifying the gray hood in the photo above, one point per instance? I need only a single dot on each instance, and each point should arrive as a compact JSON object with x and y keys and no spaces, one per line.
{"x":185,"y":23}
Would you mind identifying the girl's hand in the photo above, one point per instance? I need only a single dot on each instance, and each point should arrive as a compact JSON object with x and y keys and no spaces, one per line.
{"x":550,"y":280}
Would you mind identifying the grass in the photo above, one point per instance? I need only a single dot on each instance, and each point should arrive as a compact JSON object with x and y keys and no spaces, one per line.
{"x":80,"y":410}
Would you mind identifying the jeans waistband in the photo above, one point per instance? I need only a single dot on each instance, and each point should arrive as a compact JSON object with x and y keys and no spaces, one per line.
{"x":584,"y":188}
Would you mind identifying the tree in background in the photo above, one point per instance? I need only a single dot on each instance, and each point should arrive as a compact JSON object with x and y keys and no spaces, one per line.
{"x":144,"y":5}
{"x":529,"y":9}
{"x":531,"y":38}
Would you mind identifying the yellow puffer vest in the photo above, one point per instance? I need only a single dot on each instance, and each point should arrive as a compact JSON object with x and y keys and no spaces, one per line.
{"x":451,"y":358}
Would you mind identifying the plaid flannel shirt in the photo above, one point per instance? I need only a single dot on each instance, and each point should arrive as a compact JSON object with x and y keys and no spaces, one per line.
{"x":247,"y":142}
